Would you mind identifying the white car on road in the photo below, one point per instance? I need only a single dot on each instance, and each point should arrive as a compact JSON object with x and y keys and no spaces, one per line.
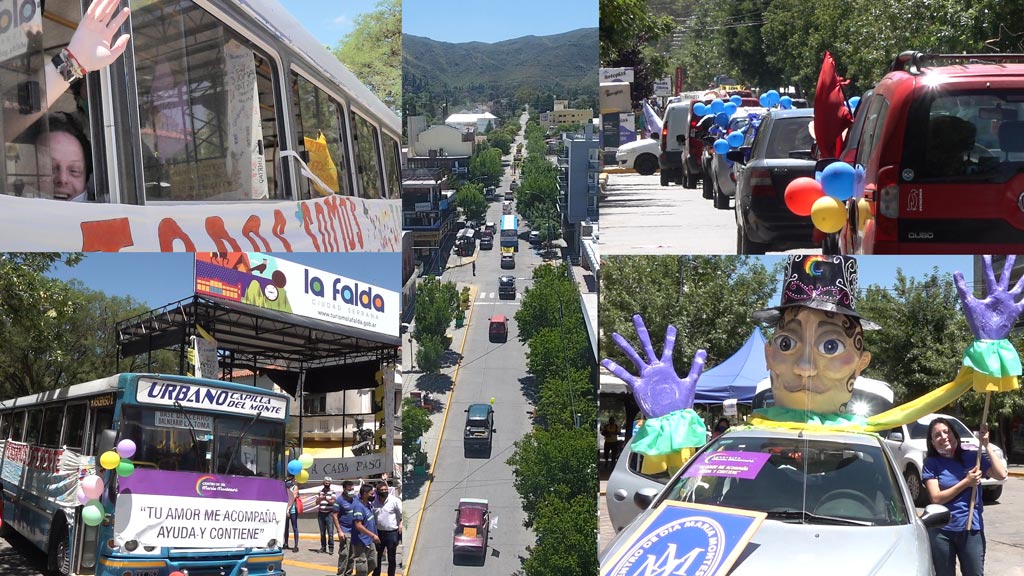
{"x":640,"y":155}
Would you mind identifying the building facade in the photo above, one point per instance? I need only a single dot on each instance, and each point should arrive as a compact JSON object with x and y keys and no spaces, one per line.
{"x":579,"y":166}
{"x":428,"y":212}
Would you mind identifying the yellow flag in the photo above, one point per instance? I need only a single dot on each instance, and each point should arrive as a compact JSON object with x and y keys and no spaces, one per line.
{"x":321,"y":163}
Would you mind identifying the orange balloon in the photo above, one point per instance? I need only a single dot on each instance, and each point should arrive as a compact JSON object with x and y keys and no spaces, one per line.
{"x":801,"y":195}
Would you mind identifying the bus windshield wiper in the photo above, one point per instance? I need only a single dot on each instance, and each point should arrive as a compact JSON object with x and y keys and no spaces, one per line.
{"x":192,"y":430}
{"x":238,"y":442}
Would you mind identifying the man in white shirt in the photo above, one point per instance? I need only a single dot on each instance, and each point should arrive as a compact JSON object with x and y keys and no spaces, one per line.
{"x":388,"y":510}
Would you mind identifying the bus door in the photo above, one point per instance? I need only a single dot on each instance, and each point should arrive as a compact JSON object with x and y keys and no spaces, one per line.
{"x":12,"y":465}
{"x":82,"y":426}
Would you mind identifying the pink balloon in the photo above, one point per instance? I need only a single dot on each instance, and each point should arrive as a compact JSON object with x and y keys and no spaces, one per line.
{"x":126,"y":448}
{"x":92,"y":486}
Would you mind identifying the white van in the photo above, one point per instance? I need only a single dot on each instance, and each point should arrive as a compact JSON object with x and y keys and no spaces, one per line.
{"x":674,"y":132}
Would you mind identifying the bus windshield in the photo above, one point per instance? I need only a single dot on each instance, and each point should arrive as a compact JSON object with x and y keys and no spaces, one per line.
{"x":165,"y":441}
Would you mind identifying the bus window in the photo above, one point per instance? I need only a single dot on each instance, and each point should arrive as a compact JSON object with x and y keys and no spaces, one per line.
{"x":316,"y":115}
{"x":102,"y":419}
{"x":53,"y":422}
{"x":206,"y":107}
{"x":392,"y":162}
{"x":34,"y":426}
{"x":17,"y":427}
{"x":367,"y":163}
{"x":74,"y":426}
{"x":5,"y":425}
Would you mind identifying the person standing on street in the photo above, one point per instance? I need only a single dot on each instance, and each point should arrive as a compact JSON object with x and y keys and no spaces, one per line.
{"x":950,"y":474}
{"x":474,"y":267}
{"x":293,"y":512}
{"x":388,"y":510}
{"x":343,"y":518}
{"x":610,"y":431}
{"x":364,"y":532}
{"x":325,"y":508}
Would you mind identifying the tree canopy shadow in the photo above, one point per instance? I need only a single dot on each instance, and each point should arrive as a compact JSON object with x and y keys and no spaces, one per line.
{"x":450,"y":358}
{"x":434,"y":383}
{"x":528,"y":386}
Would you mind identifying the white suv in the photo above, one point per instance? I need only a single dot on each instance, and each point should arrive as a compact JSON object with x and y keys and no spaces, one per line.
{"x":909,"y":446}
{"x":641,"y":155}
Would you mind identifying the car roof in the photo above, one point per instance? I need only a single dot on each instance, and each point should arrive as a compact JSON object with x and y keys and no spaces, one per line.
{"x":506,"y":278}
{"x":792,"y":112}
{"x":498,"y":318}
{"x":479,"y":411}
{"x":471,"y":513}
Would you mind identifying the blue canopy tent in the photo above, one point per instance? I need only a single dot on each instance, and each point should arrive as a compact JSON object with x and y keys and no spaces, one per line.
{"x":737,"y":376}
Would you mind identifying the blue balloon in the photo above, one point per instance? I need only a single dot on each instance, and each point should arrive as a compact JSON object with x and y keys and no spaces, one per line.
{"x":721,"y":146}
{"x":853,"y":103}
{"x":717,"y":106}
{"x":786,"y":102}
{"x":763,"y":99}
{"x":294,"y":467}
{"x":735,"y":139}
{"x":773,"y":97}
{"x":722,"y":119}
{"x":700,"y":109}
{"x":736,"y":99}
{"x":837,"y":180}
{"x":730,"y":108}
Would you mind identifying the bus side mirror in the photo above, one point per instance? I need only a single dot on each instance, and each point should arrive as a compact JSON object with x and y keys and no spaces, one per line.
{"x":106,"y":441}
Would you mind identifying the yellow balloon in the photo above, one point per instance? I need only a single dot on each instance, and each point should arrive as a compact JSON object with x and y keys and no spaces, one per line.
{"x":109,"y":460}
{"x":863,"y":213}
{"x":302,"y":476}
{"x":492,"y":400}
{"x":828,"y":214}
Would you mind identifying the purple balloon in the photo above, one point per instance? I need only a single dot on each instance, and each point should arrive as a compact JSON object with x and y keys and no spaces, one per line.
{"x":83,"y":498}
{"x":126,"y":448}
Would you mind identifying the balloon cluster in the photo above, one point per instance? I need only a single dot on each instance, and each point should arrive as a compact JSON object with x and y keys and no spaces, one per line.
{"x":722,"y":110}
{"x":91,"y":487}
{"x":823,"y":197}
{"x":299,"y":468}
{"x":772,"y":98}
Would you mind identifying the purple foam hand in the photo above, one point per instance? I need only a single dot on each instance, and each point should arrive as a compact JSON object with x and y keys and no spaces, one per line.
{"x":658,"y":390}
{"x":993,"y":317}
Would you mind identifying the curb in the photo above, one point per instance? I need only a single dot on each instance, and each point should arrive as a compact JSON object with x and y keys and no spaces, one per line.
{"x":407,"y":557}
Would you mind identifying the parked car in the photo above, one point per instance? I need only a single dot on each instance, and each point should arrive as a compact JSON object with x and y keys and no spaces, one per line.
{"x":534,"y":236}
{"x":508,"y":261}
{"x":490,"y":227}
{"x":497,"y":330}
{"x":942,"y":144}
{"x":506,"y":287}
{"x":640,"y":155}
{"x":779,"y":152}
{"x":487,"y":240}
{"x":721,"y":176}
{"x":472,"y":524}
{"x":830,"y":499}
{"x":479,"y":430}
{"x":682,"y":143}
{"x":909,"y":444}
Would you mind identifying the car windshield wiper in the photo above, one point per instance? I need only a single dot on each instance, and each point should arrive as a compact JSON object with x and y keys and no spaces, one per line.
{"x":810,"y":518}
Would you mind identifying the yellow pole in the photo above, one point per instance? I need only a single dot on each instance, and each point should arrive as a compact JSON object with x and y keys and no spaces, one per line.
{"x":974,"y":490}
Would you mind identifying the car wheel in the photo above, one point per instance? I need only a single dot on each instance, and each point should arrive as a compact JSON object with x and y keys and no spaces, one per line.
{"x":708,"y":186}
{"x":744,"y":245}
{"x":990,"y":495}
{"x":665,"y":176}
{"x":721,"y":201}
{"x":646,"y":165}
{"x":686,"y":179}
{"x":917,"y":491}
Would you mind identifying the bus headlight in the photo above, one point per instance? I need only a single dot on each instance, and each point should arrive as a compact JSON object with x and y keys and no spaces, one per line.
{"x":131,"y":545}
{"x":272,"y":543}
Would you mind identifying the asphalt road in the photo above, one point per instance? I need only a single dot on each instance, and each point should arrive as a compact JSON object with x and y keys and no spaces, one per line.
{"x":488,"y":370}
{"x":640,"y":216}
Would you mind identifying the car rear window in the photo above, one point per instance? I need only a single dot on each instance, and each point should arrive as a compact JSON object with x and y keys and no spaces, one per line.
{"x":478,"y":412}
{"x":788,"y":134}
{"x":965,"y":136}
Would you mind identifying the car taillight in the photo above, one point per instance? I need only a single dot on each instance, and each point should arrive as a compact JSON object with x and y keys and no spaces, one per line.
{"x":887,"y":197}
{"x":761,"y":183}
{"x":889,"y":201}
{"x":664,"y":137}
{"x":693,"y":128}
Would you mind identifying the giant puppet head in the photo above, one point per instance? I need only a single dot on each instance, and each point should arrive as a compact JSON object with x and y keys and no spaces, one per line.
{"x":817,"y":350}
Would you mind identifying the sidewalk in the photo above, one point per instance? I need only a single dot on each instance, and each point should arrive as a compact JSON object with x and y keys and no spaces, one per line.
{"x":415,"y":488}
{"x":309,"y":560}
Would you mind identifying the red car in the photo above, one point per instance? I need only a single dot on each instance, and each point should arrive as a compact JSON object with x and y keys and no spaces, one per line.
{"x":472,"y":521}
{"x":942,"y":144}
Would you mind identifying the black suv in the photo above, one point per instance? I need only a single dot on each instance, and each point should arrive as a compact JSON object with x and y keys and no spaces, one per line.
{"x":479,"y":429}
{"x":506,"y":287}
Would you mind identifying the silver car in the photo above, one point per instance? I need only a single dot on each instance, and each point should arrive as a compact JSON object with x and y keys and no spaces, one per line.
{"x":723,"y":178}
{"x":831,"y":498}
{"x":908,"y":443}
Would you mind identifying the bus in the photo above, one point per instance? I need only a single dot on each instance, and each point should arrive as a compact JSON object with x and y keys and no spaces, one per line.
{"x":465,"y":242}
{"x":224,"y":125}
{"x":207,"y":494}
{"x":510,"y":232}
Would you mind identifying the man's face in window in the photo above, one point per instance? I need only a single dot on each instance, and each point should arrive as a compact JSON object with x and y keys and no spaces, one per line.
{"x":68,"y":162}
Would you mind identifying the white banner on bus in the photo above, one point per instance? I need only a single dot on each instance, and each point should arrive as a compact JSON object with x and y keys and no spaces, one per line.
{"x":176,"y":420}
{"x":201,"y":397}
{"x":352,"y":467}
{"x":331,"y":224}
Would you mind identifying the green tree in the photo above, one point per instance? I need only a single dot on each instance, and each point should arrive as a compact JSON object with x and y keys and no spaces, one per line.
{"x":415,"y":423}
{"x":556,"y":463}
{"x":470,"y":199}
{"x":486,"y":166}
{"x":429,"y":352}
{"x":551,"y":291}
{"x":436,"y":303}
{"x":556,"y":351}
{"x":502,"y":141}
{"x":707,"y":299}
{"x":373,"y":51}
{"x":567,"y":399}
{"x":628,"y":33}
{"x":565,"y":530}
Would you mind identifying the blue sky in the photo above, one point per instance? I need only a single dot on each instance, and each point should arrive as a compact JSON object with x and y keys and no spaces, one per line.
{"x":490,"y":21}
{"x":161,"y":278}
{"x":328,"y":20}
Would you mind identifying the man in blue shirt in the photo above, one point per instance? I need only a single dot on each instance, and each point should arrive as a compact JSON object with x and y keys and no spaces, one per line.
{"x":344,"y":509}
{"x":364,"y":533}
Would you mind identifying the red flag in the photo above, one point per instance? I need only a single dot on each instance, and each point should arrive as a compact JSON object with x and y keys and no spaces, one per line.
{"x":831,"y":115}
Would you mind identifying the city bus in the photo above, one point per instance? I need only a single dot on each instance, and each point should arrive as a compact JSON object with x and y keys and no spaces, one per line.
{"x":207,"y":494}
{"x":509,"y":232}
{"x":225,"y":125}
